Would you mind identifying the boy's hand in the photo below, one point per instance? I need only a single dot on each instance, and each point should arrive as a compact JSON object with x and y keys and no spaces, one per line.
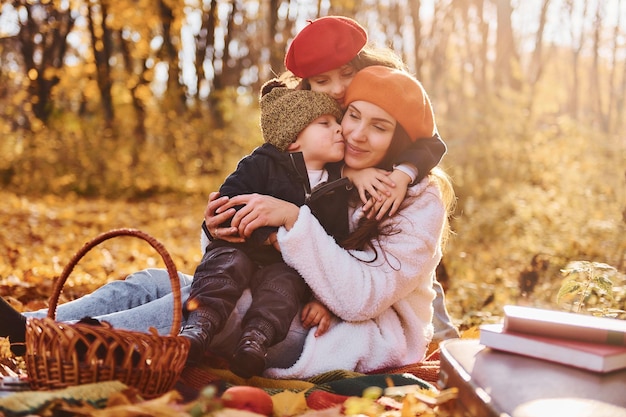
{"x":370,"y":182}
{"x":391,"y":204}
{"x":315,"y":313}
{"x":272,"y":239}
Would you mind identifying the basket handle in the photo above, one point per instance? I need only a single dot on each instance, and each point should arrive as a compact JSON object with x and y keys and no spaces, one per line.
{"x":169,"y":264}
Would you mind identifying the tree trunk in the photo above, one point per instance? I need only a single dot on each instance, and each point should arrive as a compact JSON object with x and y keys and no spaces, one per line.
{"x":43,"y":46}
{"x":537,"y":61}
{"x":596,"y":94}
{"x":138,"y":105}
{"x":174,"y":88}
{"x":615,"y":94}
{"x":277,"y":54}
{"x":506,"y":52}
{"x":205,"y":45}
{"x":577,"y":40}
{"x":101,"y":47}
{"x":414,"y":10}
{"x":439,"y":37}
{"x":210,"y":42}
{"x":222,"y":77}
{"x":619,"y":106}
{"x":483,"y":55}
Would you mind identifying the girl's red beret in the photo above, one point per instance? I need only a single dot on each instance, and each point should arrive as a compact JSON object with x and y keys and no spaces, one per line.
{"x":325,"y":44}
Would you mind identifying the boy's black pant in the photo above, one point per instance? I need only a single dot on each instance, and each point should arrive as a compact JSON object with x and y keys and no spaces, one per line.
{"x":226,"y":270}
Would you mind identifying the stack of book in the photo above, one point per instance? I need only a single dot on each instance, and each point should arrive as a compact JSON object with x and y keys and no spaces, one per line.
{"x":594,"y":343}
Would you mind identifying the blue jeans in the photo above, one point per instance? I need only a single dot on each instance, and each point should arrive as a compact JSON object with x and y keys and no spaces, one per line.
{"x":444,"y":328}
{"x":144,"y":299}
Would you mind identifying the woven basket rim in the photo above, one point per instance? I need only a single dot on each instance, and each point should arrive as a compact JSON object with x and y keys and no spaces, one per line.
{"x":61,"y":354}
{"x":158,"y":246}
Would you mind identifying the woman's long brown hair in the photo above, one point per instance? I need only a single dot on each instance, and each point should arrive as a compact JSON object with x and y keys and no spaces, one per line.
{"x":368,"y":230}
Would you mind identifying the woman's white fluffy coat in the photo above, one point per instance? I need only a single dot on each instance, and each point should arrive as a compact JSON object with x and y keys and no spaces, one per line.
{"x":385,"y":306}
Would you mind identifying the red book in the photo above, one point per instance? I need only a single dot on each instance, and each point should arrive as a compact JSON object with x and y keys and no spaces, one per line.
{"x":595,"y":357}
{"x":560,"y":324}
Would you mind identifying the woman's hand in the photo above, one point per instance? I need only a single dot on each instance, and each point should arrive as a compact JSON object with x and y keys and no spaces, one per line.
{"x":258,"y":211}
{"x":216,"y":214}
{"x":314,"y":313}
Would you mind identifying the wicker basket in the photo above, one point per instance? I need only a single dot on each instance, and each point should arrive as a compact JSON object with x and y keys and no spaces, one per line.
{"x":59,"y":355}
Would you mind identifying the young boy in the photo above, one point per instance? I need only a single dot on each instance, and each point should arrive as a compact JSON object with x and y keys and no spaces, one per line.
{"x":303,"y":137}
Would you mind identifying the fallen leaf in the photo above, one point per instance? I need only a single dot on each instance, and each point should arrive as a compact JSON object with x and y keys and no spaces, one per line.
{"x":288,"y":403}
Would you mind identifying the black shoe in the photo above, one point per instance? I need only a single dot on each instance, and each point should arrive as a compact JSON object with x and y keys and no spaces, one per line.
{"x":249,"y":357}
{"x":199,"y":331}
{"x":13,"y":326}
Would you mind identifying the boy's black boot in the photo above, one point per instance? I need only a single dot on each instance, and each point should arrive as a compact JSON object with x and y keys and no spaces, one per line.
{"x":13,"y":326}
{"x":249,"y":357}
{"x":199,"y":330}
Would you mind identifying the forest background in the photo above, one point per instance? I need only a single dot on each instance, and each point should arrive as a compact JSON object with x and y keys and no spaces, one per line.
{"x":129,"y":113}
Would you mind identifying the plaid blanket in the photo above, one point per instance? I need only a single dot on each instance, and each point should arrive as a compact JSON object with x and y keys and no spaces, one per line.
{"x":32,"y":402}
{"x":322,"y":391}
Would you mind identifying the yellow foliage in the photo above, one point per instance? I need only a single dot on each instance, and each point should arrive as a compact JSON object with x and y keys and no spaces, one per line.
{"x":41,"y":235}
{"x":164,"y":406}
{"x":526,"y":192}
{"x":288,"y":403}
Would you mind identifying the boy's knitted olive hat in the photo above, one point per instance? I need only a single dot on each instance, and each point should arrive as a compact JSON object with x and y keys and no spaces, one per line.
{"x":285,"y":112}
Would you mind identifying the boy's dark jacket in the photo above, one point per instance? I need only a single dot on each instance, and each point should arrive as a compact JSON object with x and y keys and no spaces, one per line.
{"x":284,"y":175}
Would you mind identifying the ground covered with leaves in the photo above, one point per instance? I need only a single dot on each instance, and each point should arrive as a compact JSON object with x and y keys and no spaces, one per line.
{"x":491,"y":261}
{"x":39,"y":236}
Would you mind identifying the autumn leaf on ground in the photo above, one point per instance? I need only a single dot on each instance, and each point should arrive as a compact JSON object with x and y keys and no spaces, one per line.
{"x":289,"y":403}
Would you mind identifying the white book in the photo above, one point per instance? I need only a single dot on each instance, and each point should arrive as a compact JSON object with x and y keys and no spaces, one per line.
{"x":565,"y":325}
{"x":595,"y":357}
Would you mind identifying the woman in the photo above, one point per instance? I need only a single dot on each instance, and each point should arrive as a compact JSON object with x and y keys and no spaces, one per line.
{"x":381,"y":289}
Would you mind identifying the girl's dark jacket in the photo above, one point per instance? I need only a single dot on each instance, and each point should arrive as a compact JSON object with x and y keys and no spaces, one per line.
{"x":284,"y":175}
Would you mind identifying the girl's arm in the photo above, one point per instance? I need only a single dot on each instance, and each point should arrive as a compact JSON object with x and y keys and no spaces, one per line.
{"x":424,"y":154}
{"x":394,"y":196}
{"x":369,"y":182}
